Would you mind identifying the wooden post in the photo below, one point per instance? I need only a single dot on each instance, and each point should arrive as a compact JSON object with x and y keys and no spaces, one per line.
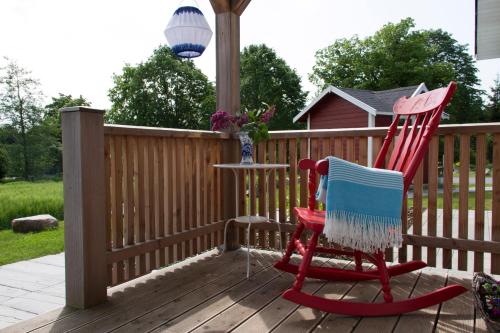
{"x":84,"y":208}
{"x":227,"y":32}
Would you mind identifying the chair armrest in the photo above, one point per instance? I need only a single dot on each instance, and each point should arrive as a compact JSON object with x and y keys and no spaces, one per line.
{"x":322,"y":167}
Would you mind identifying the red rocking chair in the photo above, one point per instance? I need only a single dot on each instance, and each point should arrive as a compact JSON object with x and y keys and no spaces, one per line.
{"x":423,"y":113}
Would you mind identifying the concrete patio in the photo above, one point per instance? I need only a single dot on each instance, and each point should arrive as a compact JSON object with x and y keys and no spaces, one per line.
{"x":30,"y":288}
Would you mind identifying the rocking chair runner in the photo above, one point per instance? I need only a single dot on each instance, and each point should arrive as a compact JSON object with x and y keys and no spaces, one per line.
{"x":423,"y":113}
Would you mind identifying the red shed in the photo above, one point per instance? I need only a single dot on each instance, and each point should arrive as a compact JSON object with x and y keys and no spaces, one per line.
{"x":350,"y":108}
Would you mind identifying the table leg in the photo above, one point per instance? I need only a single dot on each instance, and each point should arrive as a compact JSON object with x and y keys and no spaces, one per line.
{"x":248,"y":250}
{"x":225,"y":233}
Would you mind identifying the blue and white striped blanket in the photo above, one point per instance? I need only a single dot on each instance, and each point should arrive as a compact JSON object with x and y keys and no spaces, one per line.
{"x":363,"y":206}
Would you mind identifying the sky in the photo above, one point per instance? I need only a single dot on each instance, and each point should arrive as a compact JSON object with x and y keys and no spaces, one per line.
{"x":75,"y":46}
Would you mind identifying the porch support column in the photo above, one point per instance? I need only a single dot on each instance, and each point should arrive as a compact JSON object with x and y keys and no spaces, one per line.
{"x":227,"y":39}
{"x":84,"y":209}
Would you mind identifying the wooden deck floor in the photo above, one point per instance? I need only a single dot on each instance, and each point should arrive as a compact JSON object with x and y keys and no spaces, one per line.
{"x":209,"y":293}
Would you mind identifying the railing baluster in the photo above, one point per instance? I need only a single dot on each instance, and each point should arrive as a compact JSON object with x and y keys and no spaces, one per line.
{"x":363,"y":151}
{"x":495,"y":214}
{"x":479,"y":200}
{"x":282,"y":188}
{"x":292,"y":144}
{"x":272,"y":190}
{"x":349,"y":154}
{"x":432,"y":197}
{"x":129,"y":207}
{"x":109,"y":217}
{"x":262,"y":158}
{"x":463,"y":199}
{"x":150,"y":206}
{"x":168,"y":149}
{"x":447,"y":195}
{"x":119,"y":218}
{"x":417,"y":209}
{"x":142,"y":202}
{"x":338,"y":149}
{"x":304,"y":153}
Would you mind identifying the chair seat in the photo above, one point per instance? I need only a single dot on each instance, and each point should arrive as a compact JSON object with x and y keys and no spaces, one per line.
{"x":312,"y":219}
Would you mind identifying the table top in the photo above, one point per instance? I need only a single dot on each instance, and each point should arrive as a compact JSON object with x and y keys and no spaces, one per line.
{"x":251,"y":166}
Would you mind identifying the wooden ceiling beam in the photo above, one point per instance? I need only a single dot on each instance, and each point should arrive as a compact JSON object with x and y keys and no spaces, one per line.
{"x":235,"y":6}
{"x":220,"y":6}
{"x":239,"y":6}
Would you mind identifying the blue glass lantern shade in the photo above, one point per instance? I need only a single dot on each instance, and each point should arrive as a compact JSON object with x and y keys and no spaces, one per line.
{"x":188,"y":32}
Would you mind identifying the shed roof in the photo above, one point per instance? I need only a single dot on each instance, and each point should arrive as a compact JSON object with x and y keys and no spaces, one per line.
{"x":373,"y":102}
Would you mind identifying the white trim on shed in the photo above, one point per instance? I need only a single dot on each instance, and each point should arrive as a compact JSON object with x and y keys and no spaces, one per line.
{"x":334,"y":90}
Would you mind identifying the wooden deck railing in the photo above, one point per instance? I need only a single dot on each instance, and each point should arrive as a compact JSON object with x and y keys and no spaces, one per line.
{"x":137,"y":198}
{"x":439,"y":233}
{"x":163,"y":197}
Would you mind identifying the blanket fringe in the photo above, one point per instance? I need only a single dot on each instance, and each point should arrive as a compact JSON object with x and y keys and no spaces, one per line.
{"x":363,"y":232}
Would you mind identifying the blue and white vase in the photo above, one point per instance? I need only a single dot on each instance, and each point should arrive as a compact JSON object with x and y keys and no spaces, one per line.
{"x":246,"y":148}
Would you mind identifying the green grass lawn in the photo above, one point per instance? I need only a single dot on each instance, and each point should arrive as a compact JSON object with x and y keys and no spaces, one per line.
{"x":18,"y":199}
{"x":16,"y":246}
{"x":472,"y":201}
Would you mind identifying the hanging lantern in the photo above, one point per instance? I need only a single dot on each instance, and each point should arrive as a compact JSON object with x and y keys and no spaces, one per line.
{"x":188,"y":32}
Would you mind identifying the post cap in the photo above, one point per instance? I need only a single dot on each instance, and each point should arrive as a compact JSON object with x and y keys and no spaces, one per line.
{"x":80,"y":109}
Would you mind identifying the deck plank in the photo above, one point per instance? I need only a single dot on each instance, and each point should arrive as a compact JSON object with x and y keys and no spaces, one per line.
{"x":135,"y":316}
{"x":279,"y":309}
{"x":134,"y":290}
{"x":401,"y":287}
{"x":239,"y":311}
{"x":211,"y":294}
{"x":363,"y":291}
{"x":457,"y":314}
{"x":423,"y":320}
{"x":208,"y":308}
{"x":304,"y":318}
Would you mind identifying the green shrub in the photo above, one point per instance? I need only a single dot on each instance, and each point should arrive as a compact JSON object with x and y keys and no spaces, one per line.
{"x":18,"y":199}
{"x":4,"y":161}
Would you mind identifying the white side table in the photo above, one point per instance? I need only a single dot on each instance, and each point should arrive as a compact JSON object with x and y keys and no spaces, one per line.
{"x":249,"y":219}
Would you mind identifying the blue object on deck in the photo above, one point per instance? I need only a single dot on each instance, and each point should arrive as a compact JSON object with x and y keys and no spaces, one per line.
{"x":363,"y":205}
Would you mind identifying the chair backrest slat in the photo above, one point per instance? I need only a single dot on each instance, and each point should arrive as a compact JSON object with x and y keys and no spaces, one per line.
{"x":423,"y":114}
{"x":425,"y":110}
{"x":398,"y":146}
{"x":403,"y":155}
{"x":418,"y":139}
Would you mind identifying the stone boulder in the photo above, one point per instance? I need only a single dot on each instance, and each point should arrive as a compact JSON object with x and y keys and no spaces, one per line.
{"x":34,"y":223}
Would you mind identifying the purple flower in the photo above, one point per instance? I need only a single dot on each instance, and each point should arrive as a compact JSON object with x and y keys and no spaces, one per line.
{"x":268,"y":114}
{"x":221,"y":120}
{"x":242,"y":120}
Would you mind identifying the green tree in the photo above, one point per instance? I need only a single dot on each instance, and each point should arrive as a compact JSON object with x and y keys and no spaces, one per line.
{"x":20,"y":107}
{"x":266,"y":78}
{"x":493,"y":106}
{"x":163,"y":91}
{"x":397,"y":56}
{"x":52,"y":113}
{"x":51,"y":125}
{"x":4,"y":162}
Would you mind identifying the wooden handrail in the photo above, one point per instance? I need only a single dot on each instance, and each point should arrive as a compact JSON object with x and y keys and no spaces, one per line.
{"x":163,"y":132}
{"x":479,"y":128}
